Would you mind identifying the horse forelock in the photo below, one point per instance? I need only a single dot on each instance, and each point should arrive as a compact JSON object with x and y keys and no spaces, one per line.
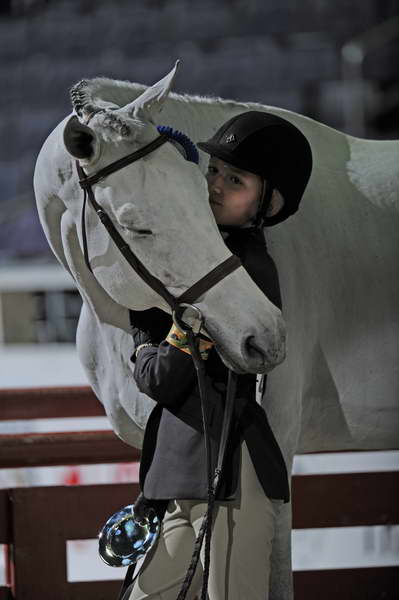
{"x":114,"y":127}
{"x":99,"y":97}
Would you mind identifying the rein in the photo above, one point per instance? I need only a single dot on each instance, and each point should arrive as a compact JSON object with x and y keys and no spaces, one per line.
{"x":176,"y":304}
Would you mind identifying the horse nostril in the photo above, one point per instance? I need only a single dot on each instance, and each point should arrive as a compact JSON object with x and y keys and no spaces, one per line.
{"x":252,"y":349}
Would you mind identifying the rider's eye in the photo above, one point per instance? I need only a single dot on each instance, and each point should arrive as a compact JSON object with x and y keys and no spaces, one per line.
{"x":212,"y":169}
{"x":235,"y":179}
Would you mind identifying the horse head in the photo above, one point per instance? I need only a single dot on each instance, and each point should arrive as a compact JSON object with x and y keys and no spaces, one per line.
{"x":159,"y":205}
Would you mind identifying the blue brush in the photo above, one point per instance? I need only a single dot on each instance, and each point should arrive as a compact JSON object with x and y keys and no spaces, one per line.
{"x":189,"y":148}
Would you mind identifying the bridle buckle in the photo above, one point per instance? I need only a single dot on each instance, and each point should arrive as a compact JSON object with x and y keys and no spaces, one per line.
{"x":195,"y":319}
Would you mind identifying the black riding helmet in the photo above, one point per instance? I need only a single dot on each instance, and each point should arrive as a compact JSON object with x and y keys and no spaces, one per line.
{"x":271,"y":147}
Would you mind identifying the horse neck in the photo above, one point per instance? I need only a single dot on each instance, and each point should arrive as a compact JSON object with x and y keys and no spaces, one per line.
{"x":372,"y":169}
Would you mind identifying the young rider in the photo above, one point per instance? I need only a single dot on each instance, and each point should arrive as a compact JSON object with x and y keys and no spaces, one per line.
{"x":258,"y":170}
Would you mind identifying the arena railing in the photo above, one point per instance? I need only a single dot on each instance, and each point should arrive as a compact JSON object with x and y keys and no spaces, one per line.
{"x":37,"y":522}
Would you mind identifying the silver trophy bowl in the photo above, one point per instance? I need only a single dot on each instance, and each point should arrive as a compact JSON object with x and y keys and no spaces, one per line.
{"x":125,"y":538}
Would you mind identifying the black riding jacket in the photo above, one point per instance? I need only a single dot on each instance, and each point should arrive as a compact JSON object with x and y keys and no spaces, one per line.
{"x":173,"y":460}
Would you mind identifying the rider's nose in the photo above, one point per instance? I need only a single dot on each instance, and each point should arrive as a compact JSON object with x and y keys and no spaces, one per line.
{"x":216,"y":184}
{"x":216,"y":189}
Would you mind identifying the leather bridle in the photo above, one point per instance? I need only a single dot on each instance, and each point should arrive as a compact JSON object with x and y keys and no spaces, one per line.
{"x":190,"y":295}
{"x":87,"y":181}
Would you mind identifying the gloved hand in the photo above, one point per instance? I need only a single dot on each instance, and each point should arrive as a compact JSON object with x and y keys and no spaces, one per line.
{"x":146,"y":509}
{"x":143,"y":509}
{"x":151,"y":326}
{"x":176,"y":337}
{"x":148,"y":327}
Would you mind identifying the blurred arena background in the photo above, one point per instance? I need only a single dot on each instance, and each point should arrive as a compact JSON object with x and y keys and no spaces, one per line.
{"x":333,"y":61}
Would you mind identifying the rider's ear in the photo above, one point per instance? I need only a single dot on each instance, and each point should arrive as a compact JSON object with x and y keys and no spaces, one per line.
{"x":276,"y":203}
{"x":80,"y":141}
{"x":152,"y":100}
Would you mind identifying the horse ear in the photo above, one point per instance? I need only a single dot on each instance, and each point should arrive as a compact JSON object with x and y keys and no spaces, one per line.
{"x":152,"y":100}
{"x":79,"y":139}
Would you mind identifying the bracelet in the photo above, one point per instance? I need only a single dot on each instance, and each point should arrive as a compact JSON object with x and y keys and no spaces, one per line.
{"x":144,"y":346}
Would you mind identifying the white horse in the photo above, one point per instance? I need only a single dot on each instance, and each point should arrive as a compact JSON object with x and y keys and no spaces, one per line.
{"x":337,"y":387}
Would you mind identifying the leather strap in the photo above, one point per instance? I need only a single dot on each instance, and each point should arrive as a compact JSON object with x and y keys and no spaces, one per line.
{"x":227,"y":416}
{"x":210,"y":279}
{"x":88,"y":180}
{"x":213,"y":486}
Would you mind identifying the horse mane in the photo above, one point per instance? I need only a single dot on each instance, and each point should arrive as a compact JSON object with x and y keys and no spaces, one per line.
{"x":90,"y":95}
{"x":102,"y":94}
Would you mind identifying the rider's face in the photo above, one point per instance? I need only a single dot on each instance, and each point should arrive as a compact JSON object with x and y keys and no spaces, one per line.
{"x":234,"y":194}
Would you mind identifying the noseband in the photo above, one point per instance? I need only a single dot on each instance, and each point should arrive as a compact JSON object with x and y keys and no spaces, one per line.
{"x":87,"y":181}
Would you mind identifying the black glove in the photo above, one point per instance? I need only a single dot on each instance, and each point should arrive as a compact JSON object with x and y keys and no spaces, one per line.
{"x":145,"y":508}
{"x":149,"y":326}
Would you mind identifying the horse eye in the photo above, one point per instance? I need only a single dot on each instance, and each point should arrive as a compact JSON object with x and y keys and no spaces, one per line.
{"x":143,"y":231}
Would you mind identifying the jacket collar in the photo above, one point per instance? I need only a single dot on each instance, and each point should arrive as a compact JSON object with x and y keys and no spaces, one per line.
{"x":236,"y":231}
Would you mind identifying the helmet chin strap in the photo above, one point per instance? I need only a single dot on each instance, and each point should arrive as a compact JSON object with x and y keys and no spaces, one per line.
{"x":266,"y":198}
